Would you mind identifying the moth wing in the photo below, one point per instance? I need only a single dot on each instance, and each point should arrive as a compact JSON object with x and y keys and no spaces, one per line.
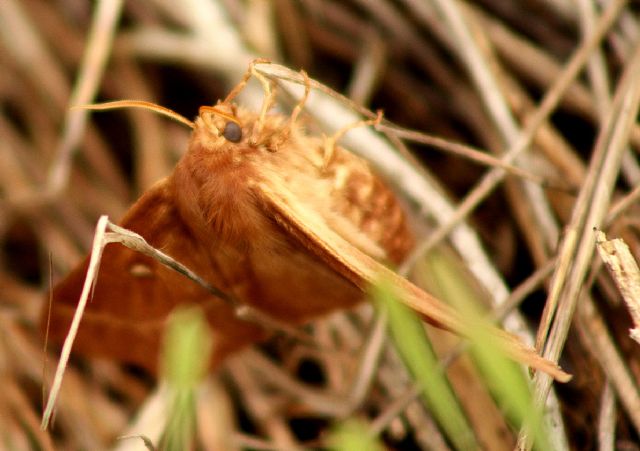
{"x":134,"y":294}
{"x":312,"y":231}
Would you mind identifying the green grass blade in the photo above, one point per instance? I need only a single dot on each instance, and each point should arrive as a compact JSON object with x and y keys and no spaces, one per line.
{"x":185,"y":362}
{"x":414,"y":347}
{"x":505,"y":379}
{"x":353,"y":435}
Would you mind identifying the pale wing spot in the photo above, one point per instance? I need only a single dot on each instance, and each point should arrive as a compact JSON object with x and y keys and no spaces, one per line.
{"x":341,"y":176}
{"x":365,"y":190}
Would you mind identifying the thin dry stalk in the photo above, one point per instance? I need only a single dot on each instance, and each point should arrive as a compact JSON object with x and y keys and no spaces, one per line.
{"x":607,"y":420}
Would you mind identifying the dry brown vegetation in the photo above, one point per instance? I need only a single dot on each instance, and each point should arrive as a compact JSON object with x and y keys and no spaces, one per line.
{"x":549,"y":86}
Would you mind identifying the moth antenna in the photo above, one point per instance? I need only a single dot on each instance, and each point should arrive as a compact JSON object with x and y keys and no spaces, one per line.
{"x":214,"y":110}
{"x":331,"y":141}
{"x":137,"y":104}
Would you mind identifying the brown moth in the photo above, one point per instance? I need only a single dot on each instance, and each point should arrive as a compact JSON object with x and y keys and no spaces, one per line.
{"x":278,"y":219}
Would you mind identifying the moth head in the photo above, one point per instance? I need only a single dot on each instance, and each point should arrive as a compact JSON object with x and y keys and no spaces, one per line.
{"x":219,"y":125}
{"x":221,"y":120}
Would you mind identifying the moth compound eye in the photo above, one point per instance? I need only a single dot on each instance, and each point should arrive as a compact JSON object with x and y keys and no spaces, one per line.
{"x":232,"y":132}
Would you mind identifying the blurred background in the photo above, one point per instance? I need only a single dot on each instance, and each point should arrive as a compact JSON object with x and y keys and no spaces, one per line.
{"x":474,"y":73}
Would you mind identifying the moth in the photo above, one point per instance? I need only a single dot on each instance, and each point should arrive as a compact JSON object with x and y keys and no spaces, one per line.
{"x":287,"y":223}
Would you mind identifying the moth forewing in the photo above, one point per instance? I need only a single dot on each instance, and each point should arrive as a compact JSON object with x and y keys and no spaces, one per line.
{"x":363,"y":271}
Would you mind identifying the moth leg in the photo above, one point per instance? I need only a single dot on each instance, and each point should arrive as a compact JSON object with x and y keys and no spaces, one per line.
{"x":286,"y":129}
{"x":298,"y":108}
{"x":245,"y":79}
{"x":331,"y":141}
{"x":269,"y":87}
